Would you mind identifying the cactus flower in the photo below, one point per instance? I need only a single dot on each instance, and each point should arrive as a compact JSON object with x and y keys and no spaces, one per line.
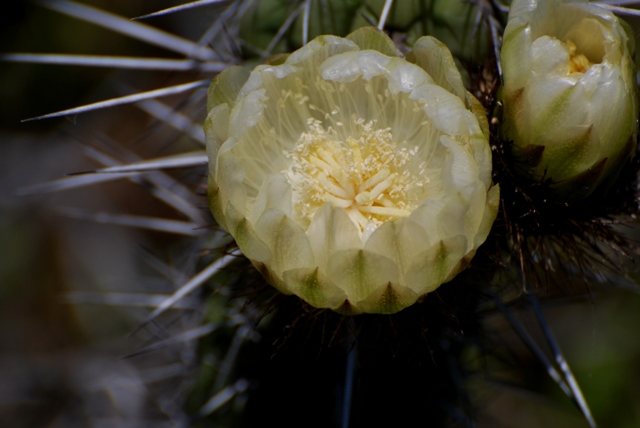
{"x":350,"y":176}
{"x":570,"y":98}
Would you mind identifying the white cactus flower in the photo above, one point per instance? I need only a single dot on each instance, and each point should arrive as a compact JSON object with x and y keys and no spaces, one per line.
{"x":570,"y":98}
{"x":348,"y":175}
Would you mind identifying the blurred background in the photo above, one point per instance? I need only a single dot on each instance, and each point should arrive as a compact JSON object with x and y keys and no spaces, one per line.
{"x":61,"y":362}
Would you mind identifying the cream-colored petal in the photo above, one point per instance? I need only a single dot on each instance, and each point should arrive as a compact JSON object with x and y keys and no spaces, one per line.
{"x":614,"y":124}
{"x":433,"y":266}
{"x":229,"y":175}
{"x":341,"y":68}
{"x":473,"y":215}
{"x":574,"y":151}
{"x":311,"y":55}
{"x":460,"y":168}
{"x":314,"y":288}
{"x":451,"y":220}
{"x":514,"y":55}
{"x":275,"y":194}
{"x":374,"y":39}
{"x":446,"y":111}
{"x":479,"y":112}
{"x":549,"y":104}
{"x":289,"y":245}
{"x":488,"y":217}
{"x":232,"y":216}
{"x":388,"y":299}
{"x":405,"y":77}
{"x":349,"y":66}
{"x":401,"y":241}
{"x":331,"y":230}
{"x":215,"y":203}
{"x":250,"y":244}
{"x":225,"y":87}
{"x":549,"y":56}
{"x":591,"y":38}
{"x":426,"y":216}
{"x":359,"y":273}
{"x":482,"y":153}
{"x":253,"y":83}
{"x":434,"y":57}
{"x":247,"y":113}
{"x":216,"y":128}
{"x":372,"y":63}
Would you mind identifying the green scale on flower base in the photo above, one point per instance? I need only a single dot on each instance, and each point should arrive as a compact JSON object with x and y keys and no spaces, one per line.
{"x":349,"y":176}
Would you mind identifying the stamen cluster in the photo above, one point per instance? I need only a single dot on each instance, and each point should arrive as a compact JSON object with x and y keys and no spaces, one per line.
{"x":366,"y":175}
{"x":578,"y":62}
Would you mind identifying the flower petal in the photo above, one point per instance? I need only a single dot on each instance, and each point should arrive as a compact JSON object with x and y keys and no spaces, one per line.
{"x":405,"y":77}
{"x":247,"y":113}
{"x":371,"y":38}
{"x":275,"y":194}
{"x":229,"y":175}
{"x":252,"y":246}
{"x":388,"y":299}
{"x":311,"y":55}
{"x":433,"y":267}
{"x":313,"y":287}
{"x":433,"y":57}
{"x":216,"y":130}
{"x":489,"y":216}
{"x":460,"y":168}
{"x":360,"y":272}
{"x":401,"y":241}
{"x":286,"y":240}
{"x":348,"y":66}
{"x":226,"y":86}
{"x":332,"y":230}
{"x":446,"y":111}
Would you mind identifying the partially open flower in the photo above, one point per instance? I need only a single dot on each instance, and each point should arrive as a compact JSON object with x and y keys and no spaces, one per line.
{"x":348,"y":175}
{"x":569,"y":94}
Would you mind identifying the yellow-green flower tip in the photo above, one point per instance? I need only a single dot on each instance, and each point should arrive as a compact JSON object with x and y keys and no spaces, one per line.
{"x":350,"y":176}
{"x":570,"y":97}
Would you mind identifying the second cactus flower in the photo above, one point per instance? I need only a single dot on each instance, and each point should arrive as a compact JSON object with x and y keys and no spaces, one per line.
{"x":569,"y":93}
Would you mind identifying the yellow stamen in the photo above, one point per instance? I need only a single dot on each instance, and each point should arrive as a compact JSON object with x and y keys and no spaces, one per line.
{"x":578,"y":63}
{"x":367,"y":175}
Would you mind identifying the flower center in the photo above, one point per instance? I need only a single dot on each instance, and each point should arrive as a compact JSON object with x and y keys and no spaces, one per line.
{"x":367,"y":175}
{"x":578,"y":63}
